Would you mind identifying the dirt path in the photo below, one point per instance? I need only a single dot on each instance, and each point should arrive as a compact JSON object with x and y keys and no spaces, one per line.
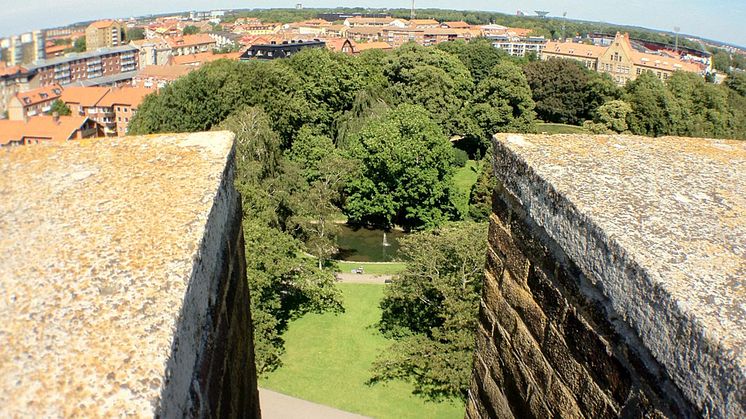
{"x":351,"y":278}
{"x":279,"y":406}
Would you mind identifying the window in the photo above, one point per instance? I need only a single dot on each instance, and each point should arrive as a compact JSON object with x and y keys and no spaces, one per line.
{"x":119,"y":109}
{"x":126,"y":119}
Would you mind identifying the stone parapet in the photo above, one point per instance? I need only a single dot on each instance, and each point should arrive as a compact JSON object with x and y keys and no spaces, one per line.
{"x":123,"y":285}
{"x":615,"y":279}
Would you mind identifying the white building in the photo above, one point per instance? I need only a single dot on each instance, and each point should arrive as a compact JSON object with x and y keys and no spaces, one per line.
{"x":519,"y":46}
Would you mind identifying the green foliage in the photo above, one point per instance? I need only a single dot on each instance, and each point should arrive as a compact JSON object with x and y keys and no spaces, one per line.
{"x":460,"y":157}
{"x":60,"y":108}
{"x":283,"y":286}
{"x":479,"y":56}
{"x":737,"y":82}
{"x":503,"y":101}
{"x":613,"y":115}
{"x":567,"y":92}
{"x":405,"y":175}
{"x":480,"y":198}
{"x":258,"y":151}
{"x":721,"y":61}
{"x":430,"y":311}
{"x":78,"y":45}
{"x":190,"y":30}
{"x":434,"y":79}
{"x":703,"y":106}
{"x":655,"y":111}
{"x":135,"y":34}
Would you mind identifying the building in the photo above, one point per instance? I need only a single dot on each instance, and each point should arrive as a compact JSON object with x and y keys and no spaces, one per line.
{"x":158,"y":76}
{"x":281,"y":50}
{"x":119,"y":106}
{"x":23,"y":49}
{"x":82,"y":101}
{"x":342,"y":45}
{"x":423,"y":23}
{"x":620,"y":60}
{"x":47,"y":128}
{"x":87,"y":65}
{"x":365,"y":46}
{"x":460,"y":24}
{"x":191,"y":44}
{"x":153,"y":51}
{"x":14,"y":79}
{"x":374,"y":21}
{"x":33,"y":102}
{"x":197,"y":60}
{"x":519,"y":46}
{"x":225,"y":39}
{"x":104,"y":34}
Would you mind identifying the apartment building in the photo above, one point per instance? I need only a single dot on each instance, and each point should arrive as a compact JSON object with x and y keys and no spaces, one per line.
{"x":423,"y":23}
{"x":191,"y":44}
{"x":120,"y":105}
{"x":158,"y":76}
{"x":33,"y":102}
{"x":374,"y":21}
{"x":104,"y":34}
{"x":23,"y":49}
{"x":620,"y":60}
{"x":281,"y":50}
{"x":47,"y":128}
{"x":14,"y":79}
{"x":519,"y":46}
{"x":88,"y":65}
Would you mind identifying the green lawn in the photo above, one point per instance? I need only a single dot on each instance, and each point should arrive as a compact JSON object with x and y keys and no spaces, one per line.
{"x":552,"y":128}
{"x":382,"y":268}
{"x":329,"y":356}
{"x":464,"y":179}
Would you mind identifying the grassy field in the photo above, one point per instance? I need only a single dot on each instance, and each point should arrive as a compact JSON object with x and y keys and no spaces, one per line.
{"x":382,"y":268}
{"x":463,"y":179}
{"x":329,"y":357}
{"x":551,"y":128}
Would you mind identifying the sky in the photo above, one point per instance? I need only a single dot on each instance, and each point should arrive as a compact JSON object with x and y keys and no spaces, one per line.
{"x":723,"y":20}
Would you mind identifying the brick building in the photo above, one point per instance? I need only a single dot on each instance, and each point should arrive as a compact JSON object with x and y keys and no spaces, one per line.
{"x":33,"y":102}
{"x":87,"y":65}
{"x":103,"y":34}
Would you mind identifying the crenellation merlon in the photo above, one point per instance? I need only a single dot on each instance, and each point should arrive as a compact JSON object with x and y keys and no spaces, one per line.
{"x":658,"y":226}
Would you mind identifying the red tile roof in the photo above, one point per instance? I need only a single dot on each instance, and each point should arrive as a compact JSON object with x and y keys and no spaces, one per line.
{"x":84,"y":96}
{"x":39,"y":95}
{"x":45,"y":127}
{"x":127,"y":96}
{"x":190,"y":40}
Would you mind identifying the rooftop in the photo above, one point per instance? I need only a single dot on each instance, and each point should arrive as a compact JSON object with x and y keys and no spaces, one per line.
{"x":42,"y":126}
{"x":84,"y":96}
{"x":129,"y":96}
{"x":80,"y":56}
{"x":103,"y":235}
{"x":674,"y":211}
{"x":39,"y":95}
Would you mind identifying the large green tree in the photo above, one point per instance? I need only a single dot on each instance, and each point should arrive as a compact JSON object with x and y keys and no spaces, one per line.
{"x":434,"y":79}
{"x":502,"y":101}
{"x":430,"y":310}
{"x":655,"y":111}
{"x":405,"y":172}
{"x":479,"y":56}
{"x":567,"y":92}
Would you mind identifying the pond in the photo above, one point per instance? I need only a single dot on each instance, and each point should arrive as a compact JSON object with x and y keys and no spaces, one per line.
{"x":367,"y":244}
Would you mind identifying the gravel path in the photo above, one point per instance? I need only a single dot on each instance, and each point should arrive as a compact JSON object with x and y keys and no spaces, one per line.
{"x":351,"y":278}
{"x":279,"y":406}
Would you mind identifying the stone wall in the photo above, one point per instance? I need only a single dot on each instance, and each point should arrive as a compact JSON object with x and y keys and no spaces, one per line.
{"x":614,"y":282}
{"x":123,"y":280}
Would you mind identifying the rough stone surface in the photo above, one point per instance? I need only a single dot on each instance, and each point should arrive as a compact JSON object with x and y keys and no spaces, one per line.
{"x":633,"y":251}
{"x":122,"y":286}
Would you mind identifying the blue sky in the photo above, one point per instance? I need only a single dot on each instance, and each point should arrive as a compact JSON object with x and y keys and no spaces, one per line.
{"x":723,"y":20}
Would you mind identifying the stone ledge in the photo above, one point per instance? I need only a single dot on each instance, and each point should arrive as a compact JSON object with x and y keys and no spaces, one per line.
{"x":104,"y":243}
{"x":658,"y":226}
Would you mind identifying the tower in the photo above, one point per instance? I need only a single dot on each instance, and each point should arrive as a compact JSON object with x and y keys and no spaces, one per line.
{"x":412,"y":13}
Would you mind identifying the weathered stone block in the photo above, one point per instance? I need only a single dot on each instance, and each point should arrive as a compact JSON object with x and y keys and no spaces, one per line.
{"x":501,"y":241}
{"x":523,"y":303}
{"x":128,"y":312}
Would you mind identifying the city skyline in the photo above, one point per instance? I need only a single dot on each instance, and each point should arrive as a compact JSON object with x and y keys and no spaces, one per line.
{"x":718,"y":20}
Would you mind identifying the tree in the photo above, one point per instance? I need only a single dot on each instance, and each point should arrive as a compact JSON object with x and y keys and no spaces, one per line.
{"x":284,"y":285}
{"x":430,"y":311}
{"x":406,"y":174}
{"x":703,"y":106}
{"x":79,"y":45}
{"x":567,"y":92}
{"x":737,"y":82}
{"x":190,"y":30}
{"x":135,"y":34}
{"x":655,"y":111}
{"x":258,"y":151}
{"x":613,"y":115}
{"x":502,"y":102}
{"x":60,"y":108}
{"x":478,"y":55}
{"x":480,"y":198}
{"x":434,"y":79}
{"x":721,"y":61}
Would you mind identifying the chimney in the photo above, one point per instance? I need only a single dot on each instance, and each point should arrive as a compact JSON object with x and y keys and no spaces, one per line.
{"x":56,"y":117}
